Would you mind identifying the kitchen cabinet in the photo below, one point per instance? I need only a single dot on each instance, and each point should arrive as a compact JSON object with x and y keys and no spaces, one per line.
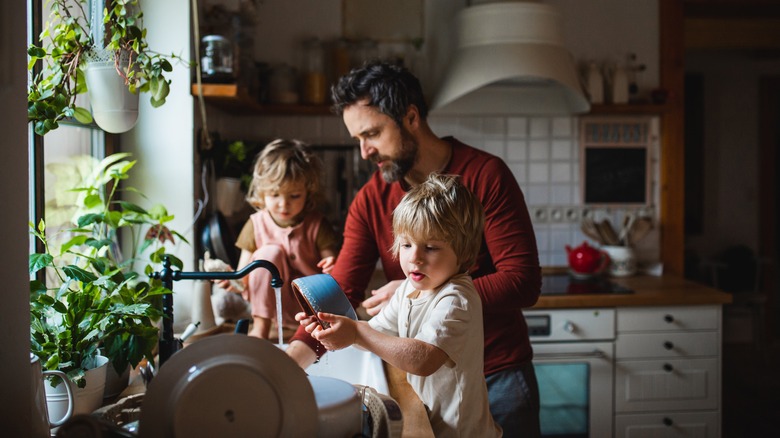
{"x":667,"y":371}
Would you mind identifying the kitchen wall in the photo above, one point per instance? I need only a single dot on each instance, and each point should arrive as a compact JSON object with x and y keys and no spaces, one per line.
{"x":543,"y":152}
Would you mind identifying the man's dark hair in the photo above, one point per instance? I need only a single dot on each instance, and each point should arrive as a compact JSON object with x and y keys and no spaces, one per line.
{"x":388,"y":87}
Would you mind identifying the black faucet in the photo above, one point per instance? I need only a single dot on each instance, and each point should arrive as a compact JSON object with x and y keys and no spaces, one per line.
{"x":167,"y":343}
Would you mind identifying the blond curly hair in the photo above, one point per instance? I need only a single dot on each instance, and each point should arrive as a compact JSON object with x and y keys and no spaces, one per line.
{"x":281,"y":163}
{"x":441,"y":209}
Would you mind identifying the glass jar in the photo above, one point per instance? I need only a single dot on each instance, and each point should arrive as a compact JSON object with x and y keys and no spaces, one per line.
{"x":217,"y":59}
{"x":314,"y":83}
{"x":282,"y":85}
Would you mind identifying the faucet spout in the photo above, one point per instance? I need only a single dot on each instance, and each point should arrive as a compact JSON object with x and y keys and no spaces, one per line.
{"x":276,"y":279}
{"x":167,"y":343}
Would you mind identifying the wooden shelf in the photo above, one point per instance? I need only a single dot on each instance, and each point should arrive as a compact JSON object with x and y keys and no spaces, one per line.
{"x":236,"y":99}
{"x":629,"y":108}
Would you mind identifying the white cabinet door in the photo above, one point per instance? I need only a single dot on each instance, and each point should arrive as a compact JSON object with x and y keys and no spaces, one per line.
{"x":667,"y":385}
{"x":667,"y":345}
{"x":645,"y":319}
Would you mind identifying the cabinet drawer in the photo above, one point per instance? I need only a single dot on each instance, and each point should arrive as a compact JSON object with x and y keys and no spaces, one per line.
{"x":668,"y":425}
{"x":668,"y":318}
{"x":667,"y":344}
{"x":666,"y":385}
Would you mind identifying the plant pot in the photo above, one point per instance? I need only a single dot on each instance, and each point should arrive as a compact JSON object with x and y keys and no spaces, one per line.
{"x":230,"y":196}
{"x":116,"y":382}
{"x":85,"y":400}
{"x":114,"y":107}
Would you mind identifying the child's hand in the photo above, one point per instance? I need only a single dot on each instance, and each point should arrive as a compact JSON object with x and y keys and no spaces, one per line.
{"x":341,"y":333}
{"x":327,"y":264}
{"x":309,"y":323}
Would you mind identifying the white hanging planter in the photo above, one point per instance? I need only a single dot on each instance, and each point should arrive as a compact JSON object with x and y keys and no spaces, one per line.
{"x":114,"y":107}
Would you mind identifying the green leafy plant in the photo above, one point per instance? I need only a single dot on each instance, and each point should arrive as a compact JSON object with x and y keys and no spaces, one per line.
{"x":91,"y":297}
{"x":66,"y":43}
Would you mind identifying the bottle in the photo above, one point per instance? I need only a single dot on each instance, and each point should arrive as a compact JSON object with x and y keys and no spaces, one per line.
{"x":619,"y":85}
{"x":314,"y":83}
{"x":595,"y":83}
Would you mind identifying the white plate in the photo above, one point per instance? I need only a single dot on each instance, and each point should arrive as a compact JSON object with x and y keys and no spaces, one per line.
{"x":229,"y":385}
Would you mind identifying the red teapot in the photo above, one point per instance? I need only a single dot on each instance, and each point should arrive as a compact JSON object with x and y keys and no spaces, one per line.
{"x":586,"y":261}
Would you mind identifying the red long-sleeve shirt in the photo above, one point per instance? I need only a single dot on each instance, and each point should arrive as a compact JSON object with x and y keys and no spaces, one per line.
{"x":508,"y":276}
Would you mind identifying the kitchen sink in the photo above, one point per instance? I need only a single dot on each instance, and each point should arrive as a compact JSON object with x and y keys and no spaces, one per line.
{"x":353,"y":365}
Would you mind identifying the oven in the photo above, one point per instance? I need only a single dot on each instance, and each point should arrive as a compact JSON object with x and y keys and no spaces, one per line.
{"x":573,"y":360}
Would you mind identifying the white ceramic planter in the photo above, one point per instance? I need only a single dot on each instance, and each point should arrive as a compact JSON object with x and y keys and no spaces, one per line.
{"x":114,"y":107}
{"x":85,"y":399}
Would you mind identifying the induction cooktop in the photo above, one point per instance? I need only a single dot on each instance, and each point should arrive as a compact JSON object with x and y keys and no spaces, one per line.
{"x":565,"y":284}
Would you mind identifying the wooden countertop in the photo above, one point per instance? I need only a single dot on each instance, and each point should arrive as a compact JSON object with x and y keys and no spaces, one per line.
{"x":666,"y":290}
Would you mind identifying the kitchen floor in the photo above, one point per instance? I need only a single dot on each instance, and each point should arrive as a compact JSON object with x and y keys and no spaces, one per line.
{"x":751,"y":390}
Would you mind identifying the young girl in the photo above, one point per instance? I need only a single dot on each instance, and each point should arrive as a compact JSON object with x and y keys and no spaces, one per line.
{"x":286,"y":230}
{"x":432,"y":327}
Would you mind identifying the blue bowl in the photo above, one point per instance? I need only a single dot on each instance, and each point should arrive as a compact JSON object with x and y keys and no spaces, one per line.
{"x":321,"y":293}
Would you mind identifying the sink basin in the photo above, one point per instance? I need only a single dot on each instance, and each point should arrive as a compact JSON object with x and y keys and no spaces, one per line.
{"x":356,"y":366}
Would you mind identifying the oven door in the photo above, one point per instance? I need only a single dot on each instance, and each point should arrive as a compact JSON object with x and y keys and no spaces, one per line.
{"x":575,"y":388}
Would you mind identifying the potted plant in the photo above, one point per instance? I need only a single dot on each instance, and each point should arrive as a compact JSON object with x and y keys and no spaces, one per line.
{"x":91,"y":301}
{"x":107,"y":53}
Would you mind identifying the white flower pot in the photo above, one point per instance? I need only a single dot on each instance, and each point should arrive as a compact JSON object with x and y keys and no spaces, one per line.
{"x":85,"y":400}
{"x":114,"y":107}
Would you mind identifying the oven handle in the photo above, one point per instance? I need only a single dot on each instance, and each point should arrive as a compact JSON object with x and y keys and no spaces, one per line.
{"x":598,"y":354}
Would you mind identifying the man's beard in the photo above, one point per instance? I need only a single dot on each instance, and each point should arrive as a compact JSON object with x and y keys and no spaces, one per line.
{"x":394,"y":170}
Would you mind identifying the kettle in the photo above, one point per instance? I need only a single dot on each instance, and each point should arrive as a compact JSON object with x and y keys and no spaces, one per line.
{"x":586,"y":261}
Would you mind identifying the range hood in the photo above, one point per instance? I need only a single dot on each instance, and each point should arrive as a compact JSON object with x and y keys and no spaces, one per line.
{"x":510,"y":60}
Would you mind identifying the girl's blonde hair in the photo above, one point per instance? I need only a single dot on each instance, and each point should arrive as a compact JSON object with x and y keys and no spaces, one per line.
{"x":441,"y":209}
{"x":283,"y":162}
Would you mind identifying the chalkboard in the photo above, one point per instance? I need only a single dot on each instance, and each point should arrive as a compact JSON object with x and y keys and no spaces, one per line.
{"x":615,"y":175}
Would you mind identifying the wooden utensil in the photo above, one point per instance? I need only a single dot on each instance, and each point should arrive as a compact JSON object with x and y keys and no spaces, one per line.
{"x":589,"y":229}
{"x":641,"y":227}
{"x":628,"y":222}
{"x":609,"y":234}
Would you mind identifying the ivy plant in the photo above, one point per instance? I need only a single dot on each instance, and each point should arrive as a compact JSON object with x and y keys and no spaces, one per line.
{"x":65,"y":44}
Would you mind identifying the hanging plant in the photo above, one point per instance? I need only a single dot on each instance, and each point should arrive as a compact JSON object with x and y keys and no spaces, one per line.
{"x":71,"y":40}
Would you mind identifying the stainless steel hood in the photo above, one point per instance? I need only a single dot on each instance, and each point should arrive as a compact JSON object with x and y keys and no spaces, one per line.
{"x":510,"y":60}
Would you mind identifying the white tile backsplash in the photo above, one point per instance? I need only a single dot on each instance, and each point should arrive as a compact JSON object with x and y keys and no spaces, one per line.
{"x":516,"y":150}
{"x":541,"y":152}
{"x":495,"y":147}
{"x":517,"y":127}
{"x":520,"y":172}
{"x":562,"y":149}
{"x":540,"y":127}
{"x":562,"y":127}
{"x":539,"y":172}
{"x":560,"y":172}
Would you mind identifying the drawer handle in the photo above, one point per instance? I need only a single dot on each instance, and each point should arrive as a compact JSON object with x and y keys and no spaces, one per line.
{"x":668,"y":367}
{"x":669,"y":318}
{"x":668,"y":421}
{"x":668,"y":345}
{"x":598,"y":354}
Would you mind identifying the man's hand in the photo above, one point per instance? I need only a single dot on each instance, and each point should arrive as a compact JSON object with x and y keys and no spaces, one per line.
{"x":380,"y":297}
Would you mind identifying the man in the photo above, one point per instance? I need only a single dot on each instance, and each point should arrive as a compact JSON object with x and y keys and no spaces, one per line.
{"x":383,"y":107}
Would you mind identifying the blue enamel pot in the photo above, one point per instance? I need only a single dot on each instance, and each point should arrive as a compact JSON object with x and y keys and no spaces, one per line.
{"x":321,"y":293}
